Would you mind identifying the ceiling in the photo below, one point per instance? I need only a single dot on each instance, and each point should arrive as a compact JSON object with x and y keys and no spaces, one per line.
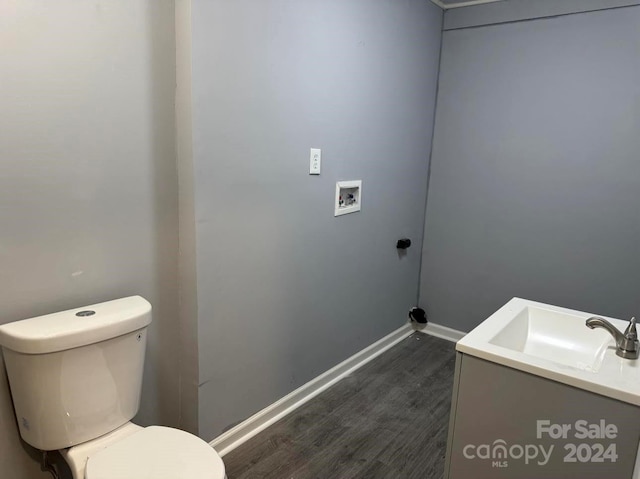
{"x":446,"y":4}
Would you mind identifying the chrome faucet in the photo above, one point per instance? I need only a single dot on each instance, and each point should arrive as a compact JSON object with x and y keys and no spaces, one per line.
{"x":627,"y":344}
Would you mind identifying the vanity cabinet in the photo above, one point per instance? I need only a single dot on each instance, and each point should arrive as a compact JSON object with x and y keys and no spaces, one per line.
{"x":511,"y":424}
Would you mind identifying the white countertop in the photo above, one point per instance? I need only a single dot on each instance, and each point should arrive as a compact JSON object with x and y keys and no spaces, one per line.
{"x":546,"y":340}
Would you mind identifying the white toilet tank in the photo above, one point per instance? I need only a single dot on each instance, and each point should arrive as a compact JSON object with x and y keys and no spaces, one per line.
{"x":77,"y":374}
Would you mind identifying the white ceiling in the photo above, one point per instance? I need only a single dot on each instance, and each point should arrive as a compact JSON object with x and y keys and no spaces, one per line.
{"x":446,"y":4}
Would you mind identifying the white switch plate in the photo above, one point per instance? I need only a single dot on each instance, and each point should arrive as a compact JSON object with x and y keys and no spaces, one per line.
{"x":315,"y":159}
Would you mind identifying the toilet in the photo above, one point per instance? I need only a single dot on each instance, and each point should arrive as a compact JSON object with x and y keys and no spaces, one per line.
{"x":75,"y":379}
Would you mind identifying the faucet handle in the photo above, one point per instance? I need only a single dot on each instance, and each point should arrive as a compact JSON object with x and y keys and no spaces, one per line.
{"x":631,"y":332}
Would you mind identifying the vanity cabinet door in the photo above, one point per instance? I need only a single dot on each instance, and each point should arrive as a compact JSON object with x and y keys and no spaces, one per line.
{"x":514,"y":425}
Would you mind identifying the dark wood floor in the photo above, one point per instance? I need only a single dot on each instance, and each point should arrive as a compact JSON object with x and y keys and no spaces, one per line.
{"x":389,"y":419}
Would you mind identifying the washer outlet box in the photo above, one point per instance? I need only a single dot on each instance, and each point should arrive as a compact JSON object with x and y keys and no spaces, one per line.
{"x":348,"y":197}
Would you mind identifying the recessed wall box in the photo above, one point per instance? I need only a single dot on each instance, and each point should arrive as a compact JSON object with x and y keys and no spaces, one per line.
{"x":348,"y":197}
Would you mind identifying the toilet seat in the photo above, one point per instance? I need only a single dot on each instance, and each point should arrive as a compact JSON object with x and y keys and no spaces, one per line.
{"x":156,"y":452}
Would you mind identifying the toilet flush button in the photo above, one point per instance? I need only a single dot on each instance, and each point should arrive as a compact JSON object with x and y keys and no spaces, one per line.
{"x":87,"y":312}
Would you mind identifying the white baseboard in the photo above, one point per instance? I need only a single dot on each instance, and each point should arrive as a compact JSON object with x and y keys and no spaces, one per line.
{"x":442,"y":332}
{"x":244,"y":431}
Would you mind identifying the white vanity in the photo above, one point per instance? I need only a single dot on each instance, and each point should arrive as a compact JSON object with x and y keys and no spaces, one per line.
{"x":537,"y":394}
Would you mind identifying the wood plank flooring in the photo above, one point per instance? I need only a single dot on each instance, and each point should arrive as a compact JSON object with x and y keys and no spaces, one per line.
{"x":389,"y":419}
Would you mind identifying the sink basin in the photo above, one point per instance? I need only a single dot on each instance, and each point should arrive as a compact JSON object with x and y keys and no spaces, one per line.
{"x":555,"y":343}
{"x":555,"y":336}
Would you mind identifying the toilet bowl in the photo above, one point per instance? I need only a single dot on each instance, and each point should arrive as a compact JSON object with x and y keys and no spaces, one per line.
{"x":75,"y":379}
{"x":132,"y":452}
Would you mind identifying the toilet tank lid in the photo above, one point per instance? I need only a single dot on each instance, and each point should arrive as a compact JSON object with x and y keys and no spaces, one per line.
{"x":76,"y":327}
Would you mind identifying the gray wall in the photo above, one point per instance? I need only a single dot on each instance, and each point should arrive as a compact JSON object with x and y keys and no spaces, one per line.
{"x":88,"y":184}
{"x":515,"y":10}
{"x":285,"y":290}
{"x":535,"y":178}
{"x":188,"y":301}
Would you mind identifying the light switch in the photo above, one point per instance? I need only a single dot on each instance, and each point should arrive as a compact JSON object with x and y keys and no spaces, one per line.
{"x":315,"y":158}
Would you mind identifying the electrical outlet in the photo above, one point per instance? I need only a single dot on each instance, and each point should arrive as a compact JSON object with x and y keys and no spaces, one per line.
{"x":315,"y":158}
